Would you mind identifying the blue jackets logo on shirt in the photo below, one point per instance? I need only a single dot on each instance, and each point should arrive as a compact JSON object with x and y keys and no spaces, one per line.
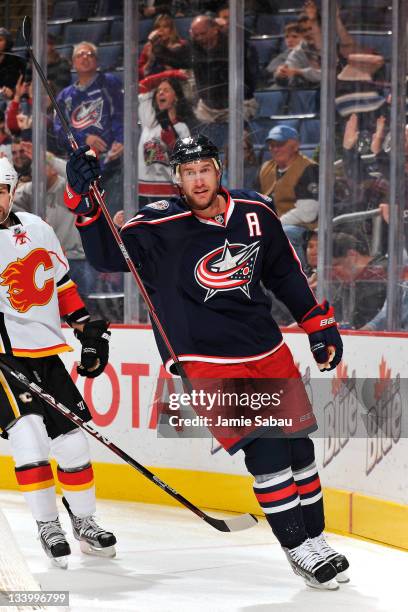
{"x":87,"y":114}
{"x":226,"y":268}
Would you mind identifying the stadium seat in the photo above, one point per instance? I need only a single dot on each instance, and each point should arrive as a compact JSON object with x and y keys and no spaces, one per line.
{"x":310,"y":132}
{"x":304,"y":101}
{"x":109,"y":8}
{"x":269,"y":24}
{"x":116,"y":33}
{"x":381,"y":42}
{"x":183,"y":26}
{"x":56,"y":28}
{"x":65,"y":51}
{"x":266,"y":47}
{"x":259,"y":128}
{"x":145,"y":27}
{"x":271,"y":102}
{"x":110,"y":55}
{"x":118,"y":73}
{"x":92,"y":31}
{"x":66,"y":8}
{"x":217,"y":132}
{"x":308,"y":152}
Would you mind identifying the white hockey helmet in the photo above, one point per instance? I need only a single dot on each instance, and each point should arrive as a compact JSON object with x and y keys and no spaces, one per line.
{"x":8,"y":176}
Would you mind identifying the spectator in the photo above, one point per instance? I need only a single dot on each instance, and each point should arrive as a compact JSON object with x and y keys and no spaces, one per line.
{"x":361,"y":280}
{"x":5,"y":138}
{"x":93,"y":107}
{"x":277,"y":68}
{"x":210,"y":67}
{"x":21,"y":159}
{"x":152,"y":8}
{"x":311,"y":259}
{"x":58,"y":67}
{"x":11,"y":66}
{"x":250,"y":163}
{"x":293,"y":181}
{"x":303,"y":65}
{"x":164,"y":114}
{"x":64,"y":226}
{"x":164,"y":49}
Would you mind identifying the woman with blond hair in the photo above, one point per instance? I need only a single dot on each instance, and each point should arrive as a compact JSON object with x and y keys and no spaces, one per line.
{"x":164,"y":49}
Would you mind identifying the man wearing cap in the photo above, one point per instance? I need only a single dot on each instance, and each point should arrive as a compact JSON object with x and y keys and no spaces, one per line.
{"x":293,"y":181}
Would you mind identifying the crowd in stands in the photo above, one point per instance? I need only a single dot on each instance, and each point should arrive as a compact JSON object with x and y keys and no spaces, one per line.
{"x":183,"y":77}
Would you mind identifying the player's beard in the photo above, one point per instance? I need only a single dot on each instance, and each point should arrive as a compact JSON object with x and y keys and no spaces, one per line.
{"x":201,"y":205}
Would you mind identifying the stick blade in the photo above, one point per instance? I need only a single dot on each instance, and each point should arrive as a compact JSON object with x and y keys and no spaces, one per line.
{"x":26,"y":30}
{"x":236,"y":523}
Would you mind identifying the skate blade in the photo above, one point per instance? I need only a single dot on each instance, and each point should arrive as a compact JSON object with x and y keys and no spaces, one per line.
{"x":342,"y":577}
{"x":88,"y":549}
{"x":330,"y":585}
{"x":59,"y":562}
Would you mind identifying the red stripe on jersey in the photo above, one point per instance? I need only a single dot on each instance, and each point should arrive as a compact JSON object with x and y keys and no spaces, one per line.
{"x":34,"y":475}
{"x":156,"y":221}
{"x":75,"y":478}
{"x":69,"y":300}
{"x":277,"y":495}
{"x":309,"y":487}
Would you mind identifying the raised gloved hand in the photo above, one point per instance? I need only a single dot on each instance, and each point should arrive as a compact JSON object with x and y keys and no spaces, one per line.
{"x":325,"y":341}
{"x":95,"y":348}
{"x":82,"y":169}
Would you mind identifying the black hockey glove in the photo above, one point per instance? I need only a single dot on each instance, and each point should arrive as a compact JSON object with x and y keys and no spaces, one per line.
{"x":325,"y":340}
{"x":82,"y":169}
{"x":95,"y":348}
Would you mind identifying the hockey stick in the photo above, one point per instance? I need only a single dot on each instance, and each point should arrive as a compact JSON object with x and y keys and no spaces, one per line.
{"x":26,"y":33}
{"x":238,"y":523}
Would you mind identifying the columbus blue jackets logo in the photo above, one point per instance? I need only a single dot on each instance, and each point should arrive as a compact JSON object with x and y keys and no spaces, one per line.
{"x":87,"y":114}
{"x":227,"y":268}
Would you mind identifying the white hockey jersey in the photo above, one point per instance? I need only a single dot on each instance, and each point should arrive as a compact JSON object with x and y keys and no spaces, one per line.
{"x":35,"y":289}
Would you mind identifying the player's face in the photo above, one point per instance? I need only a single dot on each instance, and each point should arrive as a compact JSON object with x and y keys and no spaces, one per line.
{"x":165,"y":96}
{"x":199,"y":182}
{"x":4,"y":203}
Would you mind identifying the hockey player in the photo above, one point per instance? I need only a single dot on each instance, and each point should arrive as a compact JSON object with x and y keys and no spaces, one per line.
{"x":203,"y":256}
{"x":35,"y":291}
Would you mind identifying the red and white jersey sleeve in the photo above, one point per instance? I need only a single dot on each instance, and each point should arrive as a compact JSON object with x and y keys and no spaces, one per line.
{"x":35,"y":289}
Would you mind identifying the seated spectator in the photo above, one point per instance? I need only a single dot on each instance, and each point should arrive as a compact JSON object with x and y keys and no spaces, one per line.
{"x":303,"y":65}
{"x":11,"y":66}
{"x":360,"y":278}
{"x":21,"y":159}
{"x":250,"y":163}
{"x":292,"y":180}
{"x":210,"y":68}
{"x":64,"y":226}
{"x":277,"y":66}
{"x":58,"y":67}
{"x":93,"y":107}
{"x":5,"y":137}
{"x":152,"y":8}
{"x":311,"y":259}
{"x":164,"y":114}
{"x":19,"y":115}
{"x":164,"y":49}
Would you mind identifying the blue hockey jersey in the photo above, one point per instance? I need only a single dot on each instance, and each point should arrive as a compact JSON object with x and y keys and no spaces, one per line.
{"x":95,"y":109}
{"x":207,"y":277}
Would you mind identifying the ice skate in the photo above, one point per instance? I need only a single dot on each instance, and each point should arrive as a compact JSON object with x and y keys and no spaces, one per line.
{"x":339,"y":561}
{"x":93,"y":540}
{"x":311,"y":566}
{"x":53,"y":541}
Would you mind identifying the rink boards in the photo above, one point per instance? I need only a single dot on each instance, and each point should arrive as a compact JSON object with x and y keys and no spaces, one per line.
{"x":364,"y":476}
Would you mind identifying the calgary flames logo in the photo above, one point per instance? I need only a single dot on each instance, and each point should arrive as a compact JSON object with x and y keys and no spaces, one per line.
{"x":226,"y":268}
{"x":20,"y":277}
